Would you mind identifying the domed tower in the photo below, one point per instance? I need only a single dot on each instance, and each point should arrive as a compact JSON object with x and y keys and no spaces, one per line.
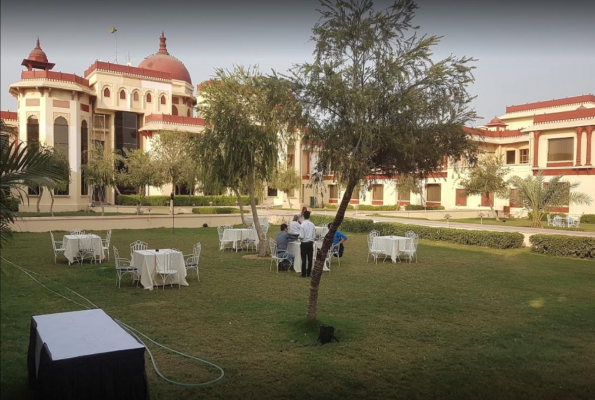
{"x":37,"y":59}
{"x":164,"y":62}
{"x":497,"y":123}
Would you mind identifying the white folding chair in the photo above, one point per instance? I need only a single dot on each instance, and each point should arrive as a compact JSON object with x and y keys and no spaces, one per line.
{"x":77,"y":232}
{"x":223,"y":243}
{"x":164,"y":270}
{"x":123,"y":267}
{"x":372,"y":250}
{"x":550,"y":221}
{"x":137,"y":245}
{"x":276,"y":257}
{"x":86,"y":249}
{"x":329,"y":257}
{"x":106,"y":242}
{"x":410,"y":249}
{"x":192,"y":260}
{"x":58,"y":247}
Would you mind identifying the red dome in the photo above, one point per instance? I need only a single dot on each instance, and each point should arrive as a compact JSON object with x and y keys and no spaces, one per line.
{"x":37,"y":54}
{"x":496,"y":122}
{"x":164,"y":62}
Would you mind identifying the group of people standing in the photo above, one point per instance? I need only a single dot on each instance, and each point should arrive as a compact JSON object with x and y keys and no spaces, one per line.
{"x":306,"y":232}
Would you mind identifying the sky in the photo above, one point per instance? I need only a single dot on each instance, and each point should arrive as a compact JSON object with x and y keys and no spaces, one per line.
{"x":526,"y":50}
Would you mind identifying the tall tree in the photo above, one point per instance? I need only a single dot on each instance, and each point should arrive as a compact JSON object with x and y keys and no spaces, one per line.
{"x":100,"y":172}
{"x":375,"y":100}
{"x":19,"y":165}
{"x":286,"y":179}
{"x":410,"y":184}
{"x":140,"y":170}
{"x":247,"y":116}
{"x":318,"y":185}
{"x":171,"y":152}
{"x":487,"y":177}
{"x":539,"y":196}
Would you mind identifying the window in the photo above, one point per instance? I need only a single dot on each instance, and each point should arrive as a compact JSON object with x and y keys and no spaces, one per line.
{"x":106,"y":92}
{"x":434,"y":193}
{"x":84,"y":155}
{"x":174,"y":110}
{"x":560,"y":149}
{"x":126,"y":132}
{"x":32,"y":130}
{"x":333,"y":192}
{"x":135,"y":96}
{"x":122,"y":95}
{"x":290,"y":160}
{"x":524,"y":155}
{"x":271,"y":192}
{"x":305,"y":163}
{"x":163,"y":100}
{"x":148,"y":97}
{"x":487,"y":201}
{"x":291,"y":193}
{"x":514,"y":193}
{"x":355,"y":194}
{"x":461,"y":198}
{"x":404,"y":196}
{"x":510,"y":157}
{"x":61,"y":143}
{"x":378,"y":192}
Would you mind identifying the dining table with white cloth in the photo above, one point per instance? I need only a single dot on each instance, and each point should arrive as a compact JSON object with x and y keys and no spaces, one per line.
{"x":295,"y":249}
{"x":238,"y":235}
{"x":262,"y":220}
{"x":390,"y":245}
{"x":147,"y":269}
{"x":71,"y":245}
{"x":320,"y":231}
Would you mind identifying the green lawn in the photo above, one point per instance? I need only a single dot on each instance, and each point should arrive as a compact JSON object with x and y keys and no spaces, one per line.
{"x":522,"y":223}
{"x":462,"y":323}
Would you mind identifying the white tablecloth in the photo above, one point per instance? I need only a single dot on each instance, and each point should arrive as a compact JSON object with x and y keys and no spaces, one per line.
{"x":294,"y":247}
{"x":390,"y":245}
{"x":262,"y":220}
{"x":146,"y":275}
{"x":236,"y":235}
{"x":320,"y":231}
{"x":71,"y":246}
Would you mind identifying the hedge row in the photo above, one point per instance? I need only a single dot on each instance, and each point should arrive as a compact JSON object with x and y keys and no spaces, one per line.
{"x":498,"y":240}
{"x":588,"y":219}
{"x":565,"y":246}
{"x":181,"y":200}
{"x":366,"y":207}
{"x":215,"y":210}
{"x":413,"y":207}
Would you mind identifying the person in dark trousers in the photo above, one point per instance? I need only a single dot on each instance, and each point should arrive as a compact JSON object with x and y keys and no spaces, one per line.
{"x":338,"y":241}
{"x":282,"y":241}
{"x":307,"y":234}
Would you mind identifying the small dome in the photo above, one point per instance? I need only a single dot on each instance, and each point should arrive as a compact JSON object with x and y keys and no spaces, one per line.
{"x":164,"y":62}
{"x":37,"y":54}
{"x":496,"y":122}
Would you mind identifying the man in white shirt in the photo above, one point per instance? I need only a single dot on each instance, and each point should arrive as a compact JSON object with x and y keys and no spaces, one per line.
{"x":307,"y":235}
{"x":294,"y":226}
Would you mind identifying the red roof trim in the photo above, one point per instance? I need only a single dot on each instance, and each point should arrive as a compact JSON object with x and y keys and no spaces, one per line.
{"x":56,"y":76}
{"x":551,"y":103}
{"x":494,"y":134}
{"x":8,"y":115}
{"x":566,"y":115}
{"x":174,"y":119}
{"x":568,"y":171}
{"x":126,"y":69}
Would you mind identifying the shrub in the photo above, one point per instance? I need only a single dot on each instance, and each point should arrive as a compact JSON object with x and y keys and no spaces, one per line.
{"x":365,"y":207}
{"x":544,"y":217}
{"x":13,"y":204}
{"x":413,"y":207}
{"x":562,"y":245}
{"x":181,"y":200}
{"x":588,"y":219}
{"x":498,"y":240}
{"x":215,"y":210}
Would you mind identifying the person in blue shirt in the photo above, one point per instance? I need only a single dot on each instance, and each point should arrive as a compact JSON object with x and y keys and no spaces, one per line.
{"x":338,"y":241}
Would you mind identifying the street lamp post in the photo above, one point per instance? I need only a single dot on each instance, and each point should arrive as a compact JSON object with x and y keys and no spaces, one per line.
{"x":173,"y":213}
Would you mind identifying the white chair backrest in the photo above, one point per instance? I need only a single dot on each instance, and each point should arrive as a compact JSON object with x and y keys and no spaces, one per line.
{"x":137,"y":245}
{"x":108,"y":237}
{"x":117,"y":257}
{"x":374,"y":233}
{"x":53,"y":241}
{"x":196,"y":252}
{"x":162,"y":263}
{"x":220,"y":230}
{"x":549,"y":218}
{"x":410,"y":234}
{"x":77,"y":232}
{"x":371,"y":241}
{"x":273,"y":247}
{"x":86,"y":243}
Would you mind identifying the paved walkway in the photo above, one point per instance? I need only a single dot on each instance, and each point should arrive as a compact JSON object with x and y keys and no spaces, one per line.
{"x":442,"y":224}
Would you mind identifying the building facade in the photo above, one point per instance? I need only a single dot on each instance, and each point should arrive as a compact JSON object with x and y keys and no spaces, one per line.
{"x":124,"y":107}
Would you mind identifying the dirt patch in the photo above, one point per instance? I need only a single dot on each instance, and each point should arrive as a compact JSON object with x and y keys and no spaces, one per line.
{"x":255,"y":257}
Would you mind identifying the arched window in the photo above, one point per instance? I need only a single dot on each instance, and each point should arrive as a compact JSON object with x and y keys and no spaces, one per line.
{"x":163,"y":100}
{"x":84,"y":155}
{"x":122,"y":95}
{"x":61,"y":143}
{"x":106,"y":92}
{"x":148,"y":97}
{"x":135,"y":96}
{"x":174,"y":110}
{"x":32,"y":130}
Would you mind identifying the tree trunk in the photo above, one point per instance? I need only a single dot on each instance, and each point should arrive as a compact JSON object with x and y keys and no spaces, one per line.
{"x":237,"y":193}
{"x":288,"y":201}
{"x":262,"y":243}
{"x":321,"y":253}
{"x":492,"y":207}
{"x":536,"y":216}
{"x":39,"y":200}
{"x":52,"y":203}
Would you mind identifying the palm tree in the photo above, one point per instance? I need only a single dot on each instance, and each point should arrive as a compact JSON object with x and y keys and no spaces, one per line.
{"x":539,"y":197}
{"x":19,"y":164}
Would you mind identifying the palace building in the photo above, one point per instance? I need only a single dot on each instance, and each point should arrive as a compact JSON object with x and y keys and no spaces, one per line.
{"x":122,"y":107}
